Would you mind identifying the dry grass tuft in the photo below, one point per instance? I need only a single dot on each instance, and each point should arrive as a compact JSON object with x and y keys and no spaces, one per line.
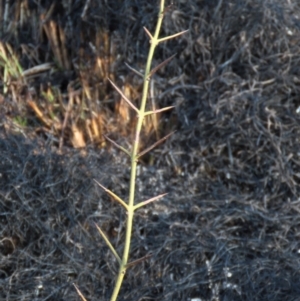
{"x":55,"y":65}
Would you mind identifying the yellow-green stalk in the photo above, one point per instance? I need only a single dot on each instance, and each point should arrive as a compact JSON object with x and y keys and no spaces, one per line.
{"x":135,"y":154}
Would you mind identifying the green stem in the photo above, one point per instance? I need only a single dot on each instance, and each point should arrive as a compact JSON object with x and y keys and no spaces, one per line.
{"x":134,"y":157}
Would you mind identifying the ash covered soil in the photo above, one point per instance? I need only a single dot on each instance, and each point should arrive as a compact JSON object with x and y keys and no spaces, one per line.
{"x":229,"y":226}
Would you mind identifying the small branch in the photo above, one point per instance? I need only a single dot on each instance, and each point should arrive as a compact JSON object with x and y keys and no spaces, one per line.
{"x":109,"y":244}
{"x":159,"y":111}
{"x":173,"y":36}
{"x":165,"y":62}
{"x":124,"y":97}
{"x":118,"y":146}
{"x":156,"y":198}
{"x":118,"y":199}
{"x":148,"y":33}
{"x":135,"y":262}
{"x":154,"y":145}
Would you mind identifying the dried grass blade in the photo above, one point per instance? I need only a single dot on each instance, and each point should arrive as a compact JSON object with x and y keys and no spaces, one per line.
{"x":118,"y":146}
{"x":39,"y":113}
{"x":173,"y":36}
{"x":154,"y":145}
{"x":124,"y":96}
{"x":165,"y":62}
{"x":118,"y":199}
{"x":109,"y":244}
{"x":37,"y":69}
{"x":156,"y":198}
{"x":65,"y":58}
{"x":159,"y":111}
{"x":79,"y":292}
{"x":134,"y":70}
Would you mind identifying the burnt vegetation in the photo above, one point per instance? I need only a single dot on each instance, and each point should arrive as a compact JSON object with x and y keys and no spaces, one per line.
{"x":229,"y":227}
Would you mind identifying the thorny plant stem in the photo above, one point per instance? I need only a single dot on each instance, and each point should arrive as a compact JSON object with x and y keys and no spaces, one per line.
{"x":134,"y":156}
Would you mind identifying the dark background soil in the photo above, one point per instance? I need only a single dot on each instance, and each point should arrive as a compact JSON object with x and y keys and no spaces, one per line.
{"x":229,"y":227}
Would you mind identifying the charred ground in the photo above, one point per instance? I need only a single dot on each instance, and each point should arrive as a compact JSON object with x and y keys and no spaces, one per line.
{"x":229,"y":227}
